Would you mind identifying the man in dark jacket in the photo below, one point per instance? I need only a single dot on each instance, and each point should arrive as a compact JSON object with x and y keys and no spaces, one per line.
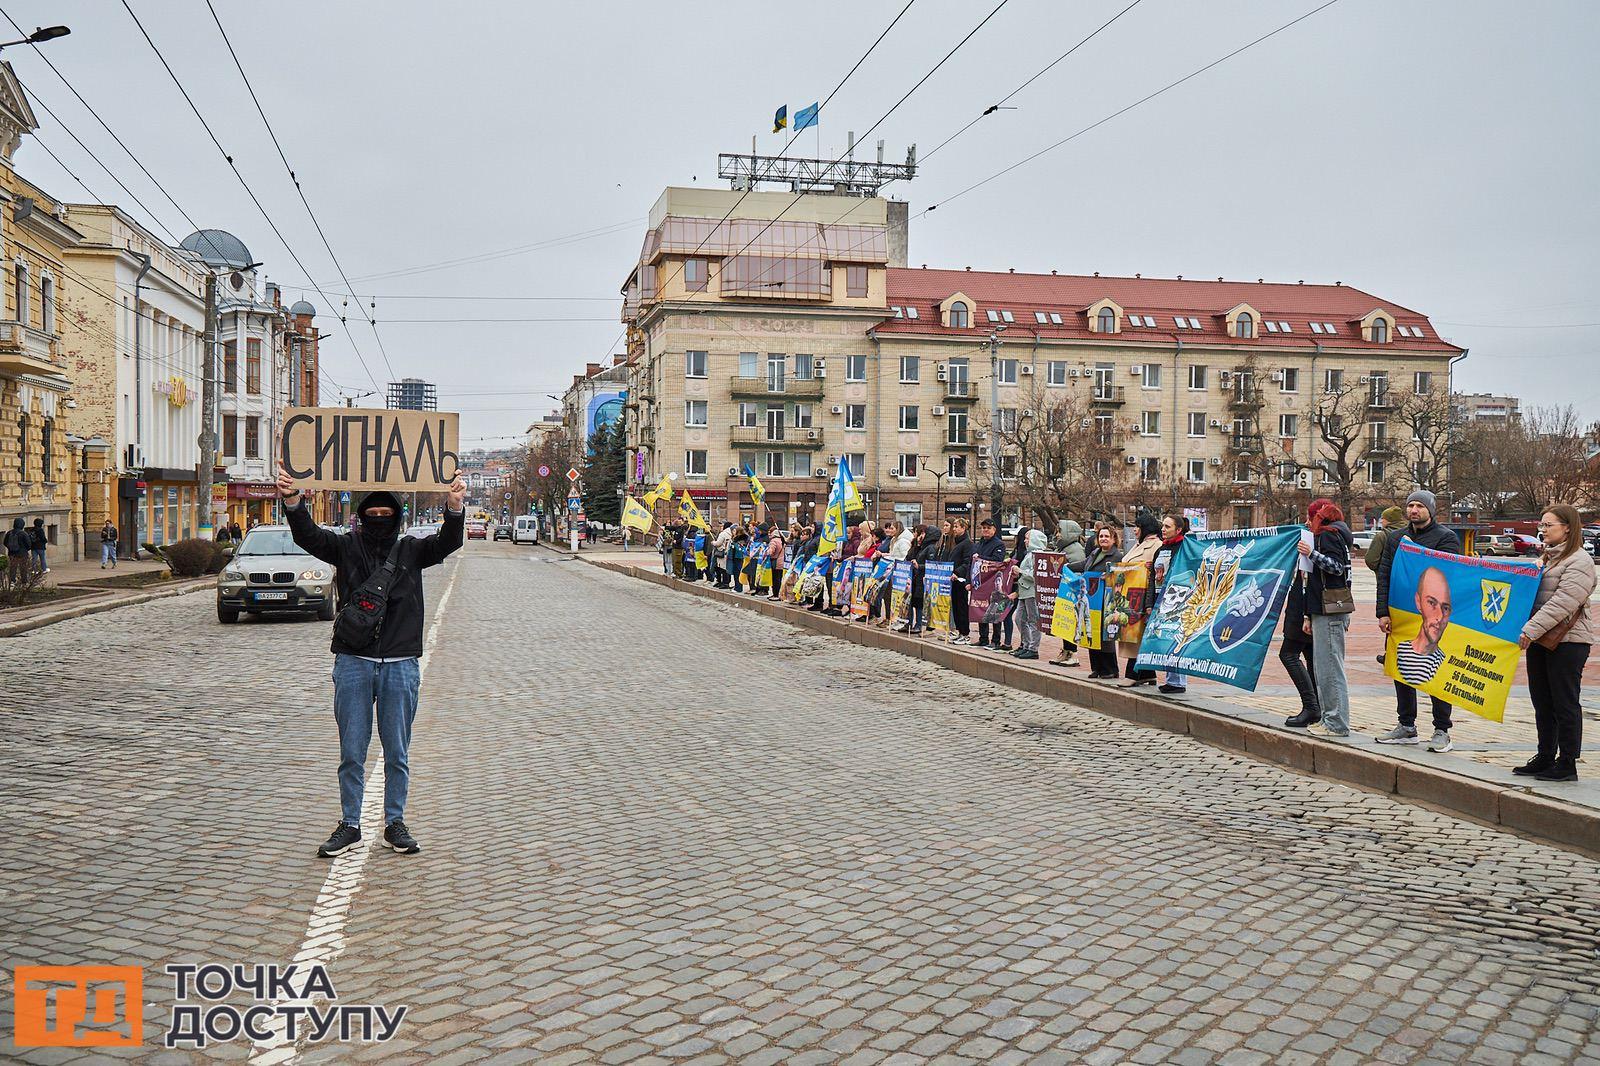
{"x":41,"y":542}
{"x":960,"y":554}
{"x":386,"y":674}
{"x":19,"y":543}
{"x":991,"y":548}
{"x":1422,"y":530}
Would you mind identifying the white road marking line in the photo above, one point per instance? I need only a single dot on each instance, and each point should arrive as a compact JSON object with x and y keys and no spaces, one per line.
{"x":324,"y":937}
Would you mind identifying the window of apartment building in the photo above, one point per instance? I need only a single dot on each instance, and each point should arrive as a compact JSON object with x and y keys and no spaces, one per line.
{"x":994,"y":315}
{"x":1422,"y":382}
{"x":1149,"y":469}
{"x":957,"y":381}
{"x":47,"y":451}
{"x":1380,"y":331}
{"x":1105,"y":429}
{"x":858,"y":463}
{"x":230,"y":366}
{"x":910,"y":369}
{"x":1149,"y":423}
{"x":805,"y":366}
{"x":1151,"y":378}
{"x":252,"y":366}
{"x":772,"y":464}
{"x":1375,"y":473}
{"x":252,"y":437}
{"x":1038,"y":316}
{"x":855,"y":280}
{"x":1332,"y":380}
{"x":1005,"y":420}
{"x":749,"y":365}
{"x":855,"y":368}
{"x":1378,"y":384}
{"x":1377,"y":434}
{"x":1332,"y":425}
{"x":1197,"y":471}
{"x":694,"y":412}
{"x":22,"y":293}
{"x":908,"y":417}
{"x":694,"y":364}
{"x":957,"y":467}
{"x":1288,"y":425}
{"x":749,"y":414}
{"x":694,"y":462}
{"x":1241,"y":471}
{"x":775,"y":421}
{"x":230,"y":436}
{"x":960,"y":316}
{"x":956,"y":427}
{"x":1244,"y":327}
{"x":1197,"y":423}
{"x":1006,"y":316}
{"x":1006,"y":371}
{"x":802,"y":416}
{"x":22,"y":448}
{"x":1055,"y":372}
{"x":1102,"y":469}
{"x":1008,"y":467}
{"x":906,"y":465}
{"x":1106,"y":321}
{"x":855,"y":416}
{"x":1291,"y":380}
{"x":47,"y":303}
{"x":1197,"y":379}
{"x":694,"y":275}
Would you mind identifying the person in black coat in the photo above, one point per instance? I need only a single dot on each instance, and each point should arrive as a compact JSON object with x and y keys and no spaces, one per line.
{"x":384,"y":675}
{"x":959,"y":553}
{"x":992,"y":549}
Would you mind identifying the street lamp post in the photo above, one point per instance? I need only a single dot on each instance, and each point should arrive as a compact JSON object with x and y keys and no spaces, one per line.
{"x":994,"y":423}
{"x":938,"y":487}
{"x":40,"y":35}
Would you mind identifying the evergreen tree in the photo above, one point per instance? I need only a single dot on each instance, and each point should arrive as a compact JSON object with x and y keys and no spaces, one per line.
{"x":604,"y":471}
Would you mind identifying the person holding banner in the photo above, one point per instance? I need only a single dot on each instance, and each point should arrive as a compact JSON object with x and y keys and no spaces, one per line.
{"x":1144,"y":554}
{"x":380,"y":678}
{"x":1106,"y":554}
{"x":1557,"y":639}
{"x":1422,"y":530}
{"x":1026,"y":597}
{"x":991,"y":549}
{"x":1174,"y":527}
{"x":960,"y":557}
{"x":1328,"y":606}
{"x":775,"y":559}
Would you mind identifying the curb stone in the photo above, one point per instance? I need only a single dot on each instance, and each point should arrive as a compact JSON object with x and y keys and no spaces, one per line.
{"x":1550,"y":820}
{"x":27,"y":625}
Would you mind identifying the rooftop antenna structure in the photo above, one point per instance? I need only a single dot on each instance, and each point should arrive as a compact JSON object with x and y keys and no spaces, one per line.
{"x":845,"y":177}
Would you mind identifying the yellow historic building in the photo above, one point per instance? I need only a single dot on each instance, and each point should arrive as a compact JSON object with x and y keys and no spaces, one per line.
{"x":39,"y":465}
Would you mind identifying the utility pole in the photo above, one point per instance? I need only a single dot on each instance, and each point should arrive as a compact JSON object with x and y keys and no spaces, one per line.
{"x":208,"y":414}
{"x":994,"y":424}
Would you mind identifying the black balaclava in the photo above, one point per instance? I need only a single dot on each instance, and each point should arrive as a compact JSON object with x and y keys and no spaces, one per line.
{"x":381,"y":532}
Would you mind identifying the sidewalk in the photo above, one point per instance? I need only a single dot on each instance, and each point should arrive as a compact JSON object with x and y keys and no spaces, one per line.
{"x":67,"y":572}
{"x":1475,"y":780}
{"x":75,"y":577}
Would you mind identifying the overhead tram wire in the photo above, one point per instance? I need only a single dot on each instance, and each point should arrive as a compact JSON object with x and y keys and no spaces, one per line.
{"x":252,"y":194}
{"x":193,"y":226}
{"x":607,"y":230}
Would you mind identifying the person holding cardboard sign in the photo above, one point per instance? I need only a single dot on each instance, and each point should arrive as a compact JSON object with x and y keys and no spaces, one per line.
{"x":377,"y":645}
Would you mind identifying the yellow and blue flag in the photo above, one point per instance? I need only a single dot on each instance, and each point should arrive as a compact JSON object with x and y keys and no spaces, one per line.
{"x":781,"y":119}
{"x":758,"y":491}
{"x":636,"y":515}
{"x":662,"y":491}
{"x":840,"y":498}
{"x":806,"y":116}
{"x":689,"y":512}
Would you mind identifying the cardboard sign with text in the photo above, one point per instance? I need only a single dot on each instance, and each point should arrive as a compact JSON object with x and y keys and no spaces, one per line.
{"x":368,"y":448}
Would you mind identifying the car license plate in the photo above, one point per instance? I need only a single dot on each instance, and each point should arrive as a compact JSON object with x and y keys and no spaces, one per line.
{"x":272,"y":595}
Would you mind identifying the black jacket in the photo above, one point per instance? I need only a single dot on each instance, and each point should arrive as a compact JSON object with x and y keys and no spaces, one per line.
{"x":355,"y":557}
{"x":960,"y":553}
{"x":991,"y":548}
{"x":1439,"y":538}
{"x":1099,"y":562}
{"x":1335,"y":542}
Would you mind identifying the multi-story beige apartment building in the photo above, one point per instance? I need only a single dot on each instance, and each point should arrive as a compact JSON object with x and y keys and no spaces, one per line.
{"x":784,"y":339}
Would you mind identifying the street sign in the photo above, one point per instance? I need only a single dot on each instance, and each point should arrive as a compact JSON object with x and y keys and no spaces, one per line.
{"x":572,"y":474}
{"x":574,"y":504}
{"x":344,"y":497}
{"x":508,"y":495}
{"x":544,"y":471}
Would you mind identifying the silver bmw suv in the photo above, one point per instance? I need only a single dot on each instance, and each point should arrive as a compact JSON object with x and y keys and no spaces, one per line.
{"x":270,"y":573}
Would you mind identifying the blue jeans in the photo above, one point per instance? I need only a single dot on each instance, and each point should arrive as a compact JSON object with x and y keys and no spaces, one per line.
{"x":38,"y":560}
{"x":108,"y":553}
{"x":1327,"y":658}
{"x":358,"y":686}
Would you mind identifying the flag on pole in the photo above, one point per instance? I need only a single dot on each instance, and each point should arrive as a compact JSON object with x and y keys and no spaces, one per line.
{"x":690,"y":513}
{"x":852,"y":498}
{"x":839,"y":497}
{"x":662,"y":491}
{"x":805,"y":117}
{"x":758,"y":491}
{"x":636,"y":515}
{"x":780,"y":120}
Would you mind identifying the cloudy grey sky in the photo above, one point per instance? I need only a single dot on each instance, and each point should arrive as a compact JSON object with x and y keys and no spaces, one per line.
{"x":1439,"y":154}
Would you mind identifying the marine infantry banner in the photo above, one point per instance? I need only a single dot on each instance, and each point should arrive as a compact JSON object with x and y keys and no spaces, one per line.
{"x":1216,"y":615}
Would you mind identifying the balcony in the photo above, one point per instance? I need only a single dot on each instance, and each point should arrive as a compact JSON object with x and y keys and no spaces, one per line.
{"x":1249,"y":396}
{"x":959,"y":392}
{"x":1108,"y":396}
{"x":1381,"y":449}
{"x":964,"y":444}
{"x":788,"y":388}
{"x":25,"y":350}
{"x":789,"y":438}
{"x":1246,"y":443}
{"x":1378,"y":399}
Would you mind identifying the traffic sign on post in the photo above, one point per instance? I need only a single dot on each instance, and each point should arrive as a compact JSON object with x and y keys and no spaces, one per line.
{"x":572,"y":474}
{"x":544,"y":471}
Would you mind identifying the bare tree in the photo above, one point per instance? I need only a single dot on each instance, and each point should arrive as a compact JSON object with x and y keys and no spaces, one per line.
{"x":1062,"y":458}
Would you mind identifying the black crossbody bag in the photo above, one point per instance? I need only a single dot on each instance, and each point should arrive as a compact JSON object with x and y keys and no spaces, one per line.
{"x":360,"y":620}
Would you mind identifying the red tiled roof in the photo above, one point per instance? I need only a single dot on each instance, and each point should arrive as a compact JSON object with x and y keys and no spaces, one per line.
{"x":1160,"y":298}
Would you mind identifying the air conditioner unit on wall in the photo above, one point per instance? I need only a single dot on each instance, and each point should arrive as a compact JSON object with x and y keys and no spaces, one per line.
{"x":1216,"y":423}
{"x":1136,"y":370}
{"x":833,"y":460}
{"x":733,"y":471}
{"x":940,"y":372}
{"x":811,"y":434}
{"x":1130,"y":459}
{"x":1227,"y":377}
{"x":1074,"y":373}
{"x":1216,"y":460}
{"x":837,"y":409}
{"x":135,"y":457}
{"x":820,"y":471}
{"x":938,"y":410}
{"x":1027,"y":370}
{"x":1277,"y":375}
{"x":819,"y":372}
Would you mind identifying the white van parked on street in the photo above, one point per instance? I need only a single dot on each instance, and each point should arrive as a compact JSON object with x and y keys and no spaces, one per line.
{"x":526,"y":530}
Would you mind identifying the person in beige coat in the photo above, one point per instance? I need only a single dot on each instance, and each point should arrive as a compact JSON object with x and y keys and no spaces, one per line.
{"x":1149,"y":528}
{"x":1566,"y":582}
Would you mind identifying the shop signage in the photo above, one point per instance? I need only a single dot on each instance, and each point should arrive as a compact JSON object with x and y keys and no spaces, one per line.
{"x":252,"y":490}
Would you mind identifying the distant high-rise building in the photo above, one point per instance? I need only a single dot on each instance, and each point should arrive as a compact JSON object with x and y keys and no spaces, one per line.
{"x":1486,"y":407}
{"x":413,"y":394}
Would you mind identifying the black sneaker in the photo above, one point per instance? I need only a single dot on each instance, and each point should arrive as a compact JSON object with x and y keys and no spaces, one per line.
{"x":1172,"y":690}
{"x":397,"y":837}
{"x":343,"y":839}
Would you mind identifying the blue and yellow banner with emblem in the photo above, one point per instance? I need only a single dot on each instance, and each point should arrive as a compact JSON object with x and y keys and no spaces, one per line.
{"x":1454,"y":623}
{"x":936,"y":582}
{"x":1218,"y":611}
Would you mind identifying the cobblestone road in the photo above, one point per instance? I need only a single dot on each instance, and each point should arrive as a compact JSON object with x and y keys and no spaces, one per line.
{"x":658,"y":829}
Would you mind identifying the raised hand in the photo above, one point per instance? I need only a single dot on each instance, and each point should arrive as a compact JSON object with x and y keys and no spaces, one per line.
{"x":457,"y":497}
{"x":286,"y":489}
